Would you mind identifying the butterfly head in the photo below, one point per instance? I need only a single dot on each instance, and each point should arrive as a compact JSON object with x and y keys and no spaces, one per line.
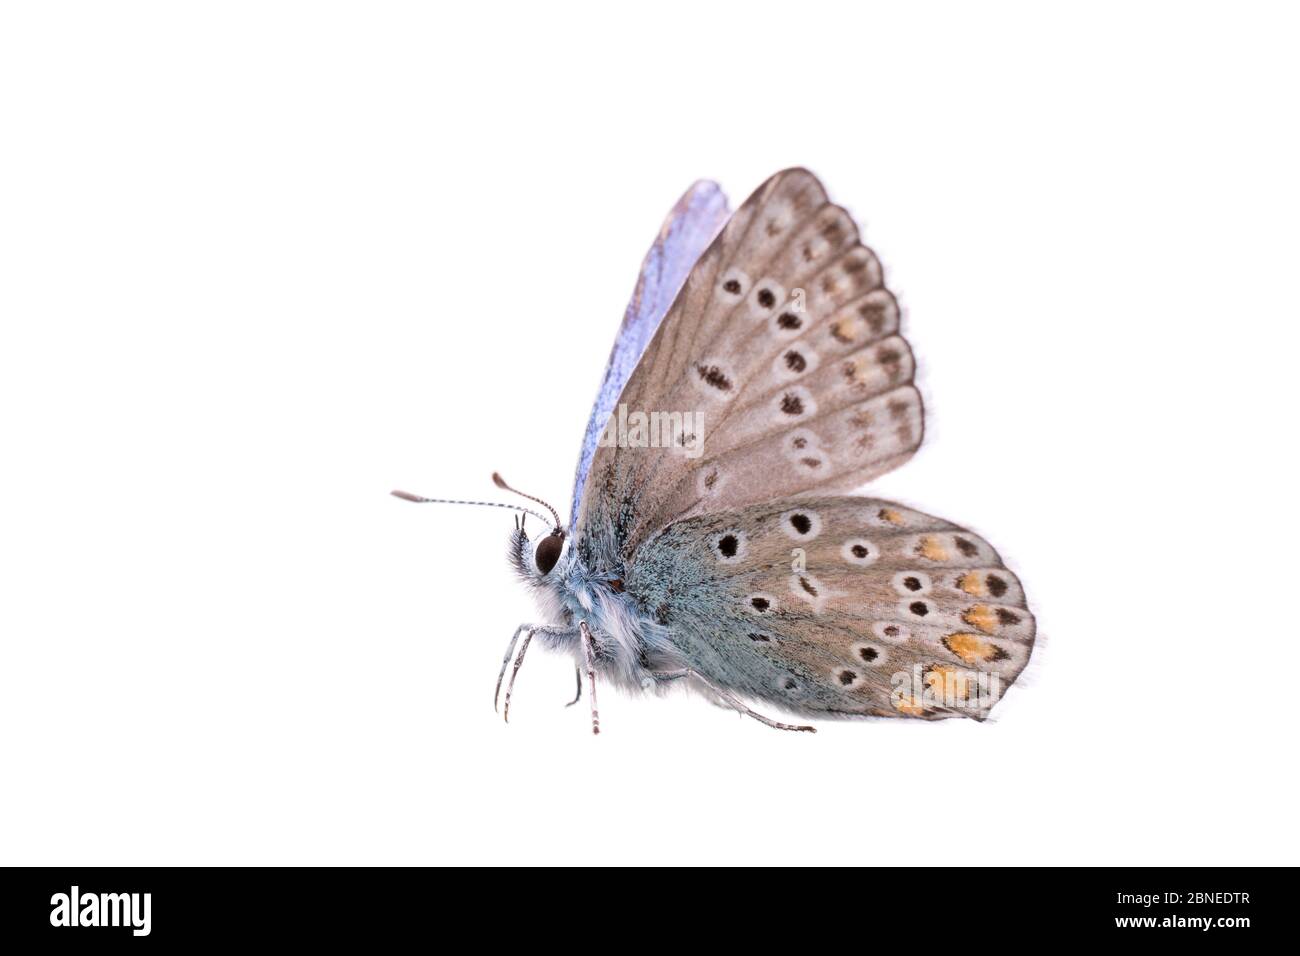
{"x":535,"y":560}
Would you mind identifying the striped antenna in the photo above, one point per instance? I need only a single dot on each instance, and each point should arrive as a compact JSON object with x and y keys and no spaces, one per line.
{"x":419,"y":500}
{"x":501,"y":483}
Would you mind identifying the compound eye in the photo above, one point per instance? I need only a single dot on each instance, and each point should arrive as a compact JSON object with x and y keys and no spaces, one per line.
{"x":548,"y":552}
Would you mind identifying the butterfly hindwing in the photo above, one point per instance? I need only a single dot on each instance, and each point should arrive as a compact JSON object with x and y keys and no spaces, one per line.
{"x":839,"y":606}
{"x":785,"y":342}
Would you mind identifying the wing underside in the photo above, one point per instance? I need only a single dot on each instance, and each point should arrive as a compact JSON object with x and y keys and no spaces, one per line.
{"x":839,"y":606}
{"x":782,"y":358}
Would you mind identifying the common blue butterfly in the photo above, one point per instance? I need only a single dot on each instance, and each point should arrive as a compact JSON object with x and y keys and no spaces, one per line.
{"x":758,"y":376}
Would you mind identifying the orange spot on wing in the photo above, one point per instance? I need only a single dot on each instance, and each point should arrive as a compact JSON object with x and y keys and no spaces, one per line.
{"x":932,"y":548}
{"x":890,"y":515}
{"x":981,"y":616}
{"x":847,"y":330}
{"x":947,"y":682}
{"x":908,"y":705}
{"x":972,"y":648}
{"x":971,"y":583}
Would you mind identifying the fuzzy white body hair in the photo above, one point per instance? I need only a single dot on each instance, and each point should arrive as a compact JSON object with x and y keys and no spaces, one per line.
{"x":631,"y":648}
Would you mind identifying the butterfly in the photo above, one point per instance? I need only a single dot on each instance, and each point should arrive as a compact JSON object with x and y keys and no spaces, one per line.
{"x":758,"y":377}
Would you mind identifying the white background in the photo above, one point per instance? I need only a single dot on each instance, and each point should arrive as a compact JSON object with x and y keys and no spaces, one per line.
{"x":262,"y":263}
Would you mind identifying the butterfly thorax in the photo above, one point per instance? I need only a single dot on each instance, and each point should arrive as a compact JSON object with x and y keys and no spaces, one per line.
{"x":631,"y":646}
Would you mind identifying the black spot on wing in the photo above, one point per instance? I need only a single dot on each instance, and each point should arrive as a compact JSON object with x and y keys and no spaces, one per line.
{"x":714,"y":376}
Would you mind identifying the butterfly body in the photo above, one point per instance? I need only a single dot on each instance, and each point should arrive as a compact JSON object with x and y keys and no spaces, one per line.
{"x":631,"y":648}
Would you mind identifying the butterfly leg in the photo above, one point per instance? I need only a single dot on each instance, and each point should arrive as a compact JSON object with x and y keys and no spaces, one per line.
{"x":505,"y":662}
{"x":519,"y":662}
{"x":577,"y":672}
{"x":557,"y":633}
{"x":589,"y":656}
{"x":732,"y":701}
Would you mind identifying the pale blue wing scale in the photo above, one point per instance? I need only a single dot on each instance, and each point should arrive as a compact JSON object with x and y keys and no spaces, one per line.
{"x":685,"y":234}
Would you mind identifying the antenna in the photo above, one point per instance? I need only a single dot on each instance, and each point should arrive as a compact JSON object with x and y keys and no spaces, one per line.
{"x":407,"y":496}
{"x":501,"y":483}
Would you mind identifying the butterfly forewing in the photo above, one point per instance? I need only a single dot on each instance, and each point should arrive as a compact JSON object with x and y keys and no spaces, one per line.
{"x":783,"y":342}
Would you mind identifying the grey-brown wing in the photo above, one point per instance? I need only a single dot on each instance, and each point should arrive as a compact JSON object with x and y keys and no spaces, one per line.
{"x":839,"y":606}
{"x":782,"y":355}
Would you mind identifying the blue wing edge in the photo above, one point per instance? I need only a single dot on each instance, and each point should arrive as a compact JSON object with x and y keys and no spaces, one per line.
{"x":687,"y":231}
